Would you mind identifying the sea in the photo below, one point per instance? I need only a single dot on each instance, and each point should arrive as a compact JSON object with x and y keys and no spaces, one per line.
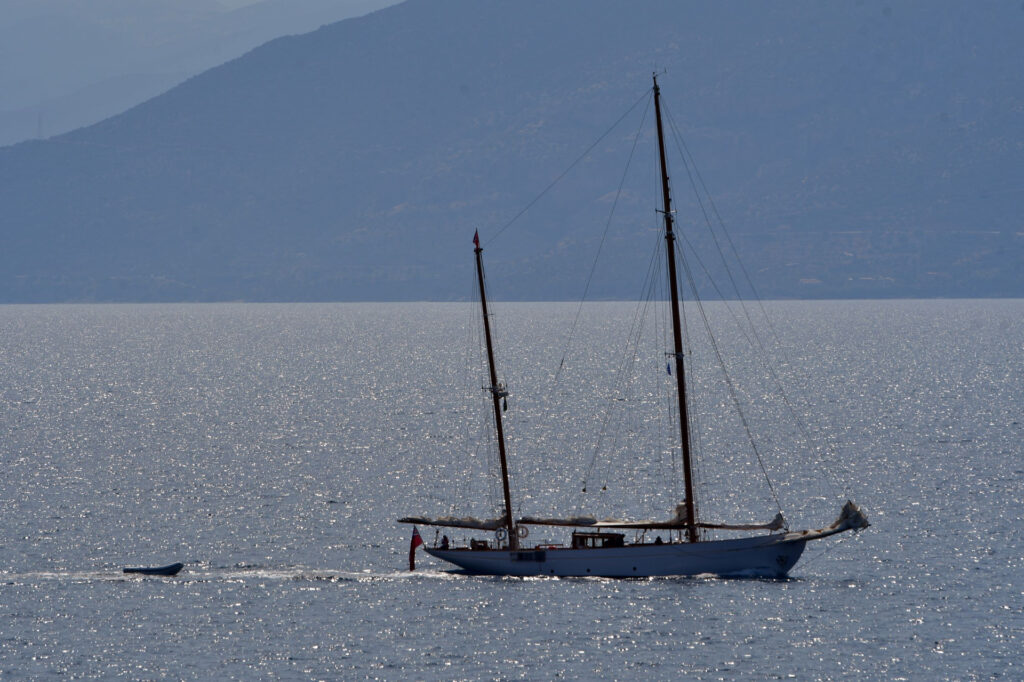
{"x":271,"y":448}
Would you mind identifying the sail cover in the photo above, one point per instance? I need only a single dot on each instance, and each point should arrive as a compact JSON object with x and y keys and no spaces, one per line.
{"x":678,"y":520}
{"x":456,"y":522}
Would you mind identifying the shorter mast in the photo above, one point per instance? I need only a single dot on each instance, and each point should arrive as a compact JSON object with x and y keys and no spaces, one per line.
{"x":497,"y":393}
{"x":677,"y":335}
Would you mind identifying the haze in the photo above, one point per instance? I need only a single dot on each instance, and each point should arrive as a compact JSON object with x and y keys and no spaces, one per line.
{"x":855,"y":149}
{"x":66,"y":63}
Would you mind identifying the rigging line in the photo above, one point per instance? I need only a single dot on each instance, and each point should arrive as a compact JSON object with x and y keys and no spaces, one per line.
{"x":693,"y":413}
{"x":714,"y":285}
{"x":694,"y":175}
{"x":486,"y":438}
{"x":690,"y":165}
{"x":668,"y":424}
{"x":765,"y":362}
{"x":725,"y":374}
{"x":633,"y":362}
{"x":488,"y":428}
{"x":670,"y":395}
{"x":668,"y":386}
{"x":682,"y":147}
{"x":600,"y":246}
{"x":764,"y":358}
{"x":469,"y":424}
{"x":828,"y":548}
{"x":735,"y":253}
{"x":700,"y":202}
{"x":646,"y":95}
{"x":625,"y":376}
{"x":461,"y":485}
{"x":688,"y":161}
{"x":664,"y":386}
{"x":622,"y":376}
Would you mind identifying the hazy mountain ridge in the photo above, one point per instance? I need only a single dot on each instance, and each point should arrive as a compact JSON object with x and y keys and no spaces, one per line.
{"x":65,"y":64}
{"x":848,"y":156}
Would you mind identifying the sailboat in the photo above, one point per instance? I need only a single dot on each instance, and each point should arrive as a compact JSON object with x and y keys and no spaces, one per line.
{"x":600,"y":548}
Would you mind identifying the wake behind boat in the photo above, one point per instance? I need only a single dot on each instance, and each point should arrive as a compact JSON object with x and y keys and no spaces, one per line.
{"x":600,"y":548}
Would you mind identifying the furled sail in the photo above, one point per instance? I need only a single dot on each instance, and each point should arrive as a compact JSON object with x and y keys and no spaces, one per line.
{"x":678,"y":520}
{"x":456,"y":522}
{"x":778,"y":523}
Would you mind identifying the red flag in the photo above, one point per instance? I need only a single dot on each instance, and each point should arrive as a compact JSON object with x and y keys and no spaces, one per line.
{"x":476,"y":238}
{"x":413,"y":544}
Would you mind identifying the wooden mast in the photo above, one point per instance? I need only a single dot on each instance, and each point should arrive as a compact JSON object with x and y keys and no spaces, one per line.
{"x":497,"y":393}
{"x":677,"y":336}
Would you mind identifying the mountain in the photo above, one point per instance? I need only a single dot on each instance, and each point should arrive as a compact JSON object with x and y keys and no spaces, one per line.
{"x":66,"y":63}
{"x":853,"y":150}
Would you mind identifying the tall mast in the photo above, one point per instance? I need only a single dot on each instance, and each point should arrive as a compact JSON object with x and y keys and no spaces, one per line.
{"x":677,"y":335}
{"x":497,"y":393}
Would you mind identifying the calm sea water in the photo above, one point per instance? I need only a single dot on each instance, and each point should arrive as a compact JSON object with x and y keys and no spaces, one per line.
{"x":271,"y":448}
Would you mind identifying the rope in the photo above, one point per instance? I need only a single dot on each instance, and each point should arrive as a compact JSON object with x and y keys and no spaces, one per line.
{"x":567,"y":170}
{"x":694,"y":177}
{"x":625,"y":373}
{"x":829,"y":546}
{"x":600,"y":246}
{"x":728,"y":380}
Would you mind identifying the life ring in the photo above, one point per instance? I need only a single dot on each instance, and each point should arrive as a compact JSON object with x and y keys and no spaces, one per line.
{"x":501,"y":533}
{"x":522,"y":531}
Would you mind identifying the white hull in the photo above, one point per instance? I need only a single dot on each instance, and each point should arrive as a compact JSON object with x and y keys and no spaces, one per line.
{"x":763,"y":556}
